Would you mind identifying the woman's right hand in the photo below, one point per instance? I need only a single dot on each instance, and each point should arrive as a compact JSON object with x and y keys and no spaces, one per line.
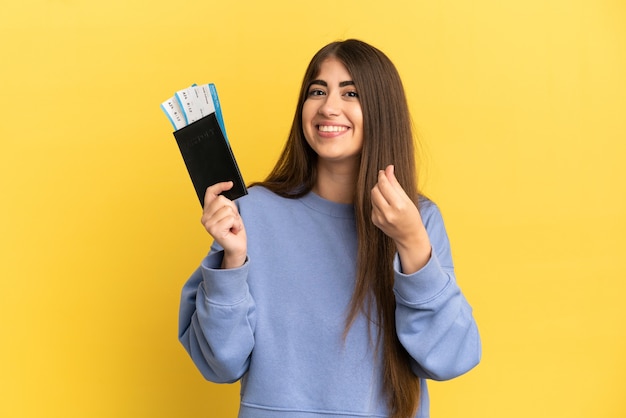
{"x":221,"y":219}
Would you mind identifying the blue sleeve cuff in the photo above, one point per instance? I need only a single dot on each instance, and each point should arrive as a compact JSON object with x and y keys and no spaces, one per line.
{"x":224,"y":286}
{"x":422,"y":286}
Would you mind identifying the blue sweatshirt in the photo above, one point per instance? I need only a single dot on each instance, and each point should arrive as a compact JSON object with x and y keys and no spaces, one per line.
{"x":277,"y":322}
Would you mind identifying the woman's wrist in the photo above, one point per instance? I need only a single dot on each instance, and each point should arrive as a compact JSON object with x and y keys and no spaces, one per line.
{"x":231,"y":261}
{"x":414,"y":253}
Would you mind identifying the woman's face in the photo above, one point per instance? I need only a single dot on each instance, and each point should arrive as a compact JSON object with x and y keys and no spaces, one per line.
{"x":332,"y":119}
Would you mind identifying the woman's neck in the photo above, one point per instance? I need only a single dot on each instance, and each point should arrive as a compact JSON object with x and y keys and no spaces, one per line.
{"x":336,"y":183}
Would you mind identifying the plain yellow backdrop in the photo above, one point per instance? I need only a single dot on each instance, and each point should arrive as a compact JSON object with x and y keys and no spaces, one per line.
{"x":521,"y":110}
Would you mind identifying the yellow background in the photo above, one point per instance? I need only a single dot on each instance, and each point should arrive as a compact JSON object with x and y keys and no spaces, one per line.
{"x":521,"y":108}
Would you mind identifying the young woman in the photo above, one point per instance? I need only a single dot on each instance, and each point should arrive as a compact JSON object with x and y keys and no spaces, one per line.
{"x":329,"y":289}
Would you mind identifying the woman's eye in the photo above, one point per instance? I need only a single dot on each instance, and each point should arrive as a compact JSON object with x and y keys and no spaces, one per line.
{"x":316,"y":92}
{"x":353,"y":94}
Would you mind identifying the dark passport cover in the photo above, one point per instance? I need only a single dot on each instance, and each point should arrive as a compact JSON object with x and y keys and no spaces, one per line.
{"x":208,"y":157}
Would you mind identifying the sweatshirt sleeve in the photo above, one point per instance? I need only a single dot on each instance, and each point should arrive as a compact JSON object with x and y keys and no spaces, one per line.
{"x":217,"y":320}
{"x":434,"y":321}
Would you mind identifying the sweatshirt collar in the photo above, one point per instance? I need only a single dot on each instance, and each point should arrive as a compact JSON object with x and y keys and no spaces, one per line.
{"x":319,"y":204}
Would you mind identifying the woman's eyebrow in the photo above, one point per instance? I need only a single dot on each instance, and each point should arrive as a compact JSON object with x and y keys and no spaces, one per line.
{"x":325,"y":84}
{"x":319,"y":82}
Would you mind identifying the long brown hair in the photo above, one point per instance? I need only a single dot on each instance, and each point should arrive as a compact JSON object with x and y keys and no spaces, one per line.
{"x":387,"y":139}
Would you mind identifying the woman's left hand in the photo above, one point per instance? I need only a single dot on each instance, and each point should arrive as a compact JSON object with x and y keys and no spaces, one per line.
{"x":396,"y":215}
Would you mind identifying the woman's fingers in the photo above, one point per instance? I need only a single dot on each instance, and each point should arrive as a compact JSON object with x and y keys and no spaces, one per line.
{"x":212,"y":192}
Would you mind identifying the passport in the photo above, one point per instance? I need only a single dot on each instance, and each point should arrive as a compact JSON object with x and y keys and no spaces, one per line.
{"x":196,"y":115}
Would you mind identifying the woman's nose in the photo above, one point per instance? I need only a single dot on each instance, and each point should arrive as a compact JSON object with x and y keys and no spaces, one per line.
{"x":331,"y":106}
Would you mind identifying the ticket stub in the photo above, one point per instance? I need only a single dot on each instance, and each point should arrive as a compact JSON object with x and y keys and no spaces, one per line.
{"x":193,"y":103}
{"x":174,"y":113}
{"x":188,"y":102}
{"x":204,"y":100}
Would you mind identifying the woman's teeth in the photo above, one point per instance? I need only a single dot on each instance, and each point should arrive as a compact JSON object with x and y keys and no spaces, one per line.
{"x":326,"y":128}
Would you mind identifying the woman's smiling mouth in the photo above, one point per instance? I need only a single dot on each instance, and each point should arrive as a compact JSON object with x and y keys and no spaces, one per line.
{"x":331,"y":128}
